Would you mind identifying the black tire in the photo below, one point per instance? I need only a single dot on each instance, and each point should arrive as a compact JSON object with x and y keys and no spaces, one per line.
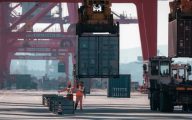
{"x":190,"y":108}
{"x":185,"y":108}
{"x":171,"y":108}
{"x":153,"y":101}
{"x":162,"y":103}
{"x":165,"y":103}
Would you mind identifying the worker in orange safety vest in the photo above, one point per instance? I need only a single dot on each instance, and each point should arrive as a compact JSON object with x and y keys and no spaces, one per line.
{"x":69,"y":90}
{"x":79,"y":95}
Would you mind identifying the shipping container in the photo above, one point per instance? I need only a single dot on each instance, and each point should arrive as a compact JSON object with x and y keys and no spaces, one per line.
{"x":98,"y":56}
{"x":22,"y":81}
{"x":61,"y":67}
{"x":180,"y":38}
{"x":119,"y":87}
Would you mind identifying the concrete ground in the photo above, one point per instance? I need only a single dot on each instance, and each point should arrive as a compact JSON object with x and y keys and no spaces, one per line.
{"x":26,"y":105}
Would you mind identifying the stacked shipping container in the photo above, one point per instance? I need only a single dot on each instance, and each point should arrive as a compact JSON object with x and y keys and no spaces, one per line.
{"x":180,"y":38}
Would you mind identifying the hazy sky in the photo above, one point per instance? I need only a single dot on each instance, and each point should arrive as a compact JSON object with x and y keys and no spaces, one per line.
{"x":129,"y":34}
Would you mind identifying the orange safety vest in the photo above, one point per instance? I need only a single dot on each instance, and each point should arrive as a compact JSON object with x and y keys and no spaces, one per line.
{"x":79,"y":93}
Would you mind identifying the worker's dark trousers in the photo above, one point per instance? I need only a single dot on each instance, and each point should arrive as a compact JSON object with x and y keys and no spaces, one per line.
{"x":70,"y":96}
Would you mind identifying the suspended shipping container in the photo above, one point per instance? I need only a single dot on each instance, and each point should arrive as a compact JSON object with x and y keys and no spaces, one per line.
{"x":98,"y":56}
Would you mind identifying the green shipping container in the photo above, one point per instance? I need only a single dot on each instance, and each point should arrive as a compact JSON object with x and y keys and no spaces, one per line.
{"x":119,"y":87}
{"x":61,"y":67}
{"x":98,"y":56}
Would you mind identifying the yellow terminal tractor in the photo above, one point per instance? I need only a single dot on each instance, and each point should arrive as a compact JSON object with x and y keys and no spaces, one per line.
{"x":95,"y":16}
{"x":169,"y":85}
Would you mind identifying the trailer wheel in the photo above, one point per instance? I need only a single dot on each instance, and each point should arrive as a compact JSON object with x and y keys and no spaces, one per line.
{"x":162,"y":102}
{"x":185,"y":108}
{"x":165,"y":103}
{"x":153,"y":102}
{"x":190,"y":107}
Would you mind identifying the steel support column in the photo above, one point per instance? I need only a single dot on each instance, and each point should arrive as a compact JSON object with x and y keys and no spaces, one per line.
{"x":73,"y":12}
{"x":4,"y":58}
{"x":150,"y":12}
{"x":73,"y":19}
{"x":147,"y":17}
{"x":142,"y":30}
{"x":66,"y":62}
{"x":60,"y":16}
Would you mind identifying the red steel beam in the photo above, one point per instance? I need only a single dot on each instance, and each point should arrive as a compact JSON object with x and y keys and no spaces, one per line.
{"x":54,"y":43}
{"x":73,"y":12}
{"x":29,"y":24}
{"x":127,"y":21}
{"x":53,"y":20}
{"x":143,"y":32}
{"x":147,"y":16}
{"x":24,"y":16}
{"x":15,"y":6}
{"x":69,"y":1}
{"x":41,"y":35}
{"x":47,"y":19}
{"x":28,"y":57}
{"x":42,"y":46}
{"x":21,"y":57}
{"x":47,"y":27}
{"x":1,"y":46}
{"x":60,"y":16}
{"x":150,"y":12}
{"x":4,"y":59}
{"x":43,"y":50}
{"x":66,"y":61}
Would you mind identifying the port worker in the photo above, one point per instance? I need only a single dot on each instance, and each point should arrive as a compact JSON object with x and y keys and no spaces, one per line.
{"x":69,"y":90}
{"x":79,"y":95}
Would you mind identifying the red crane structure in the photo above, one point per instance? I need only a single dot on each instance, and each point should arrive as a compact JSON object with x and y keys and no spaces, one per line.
{"x":9,"y":43}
